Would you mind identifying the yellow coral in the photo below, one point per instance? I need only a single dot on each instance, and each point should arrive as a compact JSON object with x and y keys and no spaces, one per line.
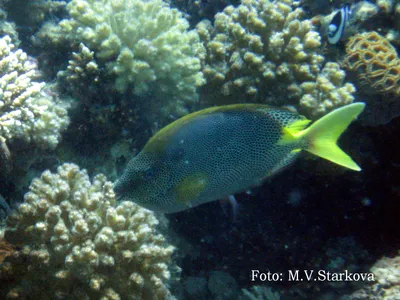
{"x":375,"y":62}
{"x":26,"y":111}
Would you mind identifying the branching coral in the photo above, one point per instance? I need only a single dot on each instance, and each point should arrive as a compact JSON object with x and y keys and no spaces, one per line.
{"x":327,"y":92}
{"x":264,"y":51}
{"x":375,"y":62}
{"x":77,"y":243}
{"x":201,"y":9}
{"x":83,"y":73}
{"x":26,"y":112}
{"x":144,"y":43}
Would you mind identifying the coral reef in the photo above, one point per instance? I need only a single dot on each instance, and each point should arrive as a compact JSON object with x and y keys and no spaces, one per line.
{"x":259,"y":292}
{"x":6,"y":249}
{"x":387,"y":281}
{"x":26,"y":111}
{"x":5,"y":159}
{"x":197,"y":10}
{"x":8,"y":28}
{"x":388,"y":6}
{"x":82,"y":76}
{"x":145,"y":44}
{"x":30,"y":14}
{"x":327,"y":92}
{"x":77,"y":243}
{"x":5,"y":209}
{"x":375,"y":62}
{"x":263,"y":51}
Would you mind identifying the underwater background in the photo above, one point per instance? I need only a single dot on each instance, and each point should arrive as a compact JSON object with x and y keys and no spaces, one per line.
{"x":84,"y":84}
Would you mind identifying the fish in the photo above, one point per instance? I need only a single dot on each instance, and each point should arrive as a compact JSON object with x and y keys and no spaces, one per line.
{"x":337,"y":26}
{"x":343,"y":23}
{"x":221,"y":151}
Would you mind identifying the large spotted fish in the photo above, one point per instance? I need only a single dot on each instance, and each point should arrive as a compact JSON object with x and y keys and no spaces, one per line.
{"x":217,"y":152}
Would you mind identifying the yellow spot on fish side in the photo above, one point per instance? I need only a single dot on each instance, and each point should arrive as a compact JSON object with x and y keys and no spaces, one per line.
{"x":191,"y":187}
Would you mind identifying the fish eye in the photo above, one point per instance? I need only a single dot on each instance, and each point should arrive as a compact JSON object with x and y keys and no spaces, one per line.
{"x":149,"y":174}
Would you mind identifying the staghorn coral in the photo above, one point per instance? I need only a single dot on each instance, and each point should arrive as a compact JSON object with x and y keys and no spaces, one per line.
{"x":375,"y":62}
{"x":263,"y":51}
{"x":26,"y":111}
{"x":145,"y":44}
{"x":77,"y":243}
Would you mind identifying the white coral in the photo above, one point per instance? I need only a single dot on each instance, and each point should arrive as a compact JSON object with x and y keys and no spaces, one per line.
{"x":328,"y":92}
{"x":145,"y":44}
{"x":26,"y":112}
{"x":263,"y":51}
{"x":83,"y":244}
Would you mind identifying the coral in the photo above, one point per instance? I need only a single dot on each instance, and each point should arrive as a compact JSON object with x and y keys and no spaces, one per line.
{"x":145,"y":44}
{"x":375,"y":62}
{"x":259,"y":292}
{"x":77,"y":243}
{"x":5,"y":211}
{"x":387,"y":271}
{"x":6,"y":249}
{"x":82,"y":74}
{"x":32,"y":13}
{"x":386,"y":284}
{"x":5,"y":159}
{"x":386,"y":6}
{"x":26,"y":111}
{"x":50,"y":34}
{"x":263,"y":51}
{"x":201,"y":9}
{"x":8,"y":28}
{"x":327,"y":92}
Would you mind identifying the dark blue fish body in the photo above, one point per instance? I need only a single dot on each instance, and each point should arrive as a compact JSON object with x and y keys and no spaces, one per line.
{"x":217,"y":152}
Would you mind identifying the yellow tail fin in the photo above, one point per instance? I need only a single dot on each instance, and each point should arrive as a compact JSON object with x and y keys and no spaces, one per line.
{"x":324,"y":133}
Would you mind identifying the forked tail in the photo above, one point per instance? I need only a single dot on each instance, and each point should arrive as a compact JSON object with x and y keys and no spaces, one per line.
{"x":323,"y":134}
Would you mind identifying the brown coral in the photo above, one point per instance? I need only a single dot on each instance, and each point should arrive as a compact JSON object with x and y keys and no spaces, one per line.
{"x":6,"y":249}
{"x":375,"y":61}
